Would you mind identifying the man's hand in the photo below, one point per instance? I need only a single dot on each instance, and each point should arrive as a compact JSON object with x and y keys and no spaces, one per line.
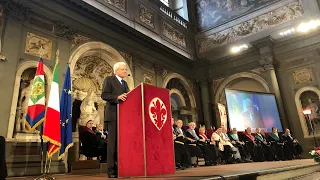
{"x":122,"y":97}
{"x":233,"y":142}
{"x":180,"y":135}
{"x":203,"y":140}
{"x":264,"y":142}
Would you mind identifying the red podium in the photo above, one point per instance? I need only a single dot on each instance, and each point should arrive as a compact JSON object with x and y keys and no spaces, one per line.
{"x":145,"y":145}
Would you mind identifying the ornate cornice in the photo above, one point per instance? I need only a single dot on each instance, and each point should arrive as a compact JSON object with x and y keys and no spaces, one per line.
{"x":64,"y":31}
{"x":15,"y":11}
{"x":263,"y":42}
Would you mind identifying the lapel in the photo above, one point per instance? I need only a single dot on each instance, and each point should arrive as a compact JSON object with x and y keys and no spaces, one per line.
{"x":120,"y":85}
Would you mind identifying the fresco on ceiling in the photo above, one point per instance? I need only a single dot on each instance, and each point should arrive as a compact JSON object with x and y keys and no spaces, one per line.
{"x":216,"y":12}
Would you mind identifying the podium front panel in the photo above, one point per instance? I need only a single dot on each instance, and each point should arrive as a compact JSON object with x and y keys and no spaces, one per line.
{"x":158,"y":131}
{"x":131,"y":158}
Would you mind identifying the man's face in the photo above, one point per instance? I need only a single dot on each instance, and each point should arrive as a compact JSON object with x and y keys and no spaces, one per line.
{"x":224,"y":130}
{"x":287,"y":131}
{"x":90,"y":124}
{"x":192,"y":126}
{"x":179,"y":124}
{"x":249,"y":130}
{"x":122,"y":71}
{"x":219,"y":130}
{"x":258,"y":130}
{"x":274,"y":130}
{"x":234,"y":131}
{"x":100,"y":127}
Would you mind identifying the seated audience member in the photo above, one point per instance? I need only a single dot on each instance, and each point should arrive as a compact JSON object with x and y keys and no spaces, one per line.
{"x":292,"y":144}
{"x":269,"y":151}
{"x":3,"y":166}
{"x":193,"y":142}
{"x":235,"y":141}
{"x":225,"y":147}
{"x":102,"y":136}
{"x":225,"y":137}
{"x":182,"y":157}
{"x":254,"y":149}
{"x":209,"y":148}
{"x":277,"y":144}
{"x":90,"y":144}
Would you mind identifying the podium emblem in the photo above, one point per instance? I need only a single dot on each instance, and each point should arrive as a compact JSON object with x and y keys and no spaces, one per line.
{"x":158,"y":112}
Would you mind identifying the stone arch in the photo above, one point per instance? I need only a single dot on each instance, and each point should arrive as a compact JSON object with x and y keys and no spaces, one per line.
{"x":104,"y":51}
{"x":181,"y":98}
{"x":21,"y":68}
{"x":187,"y":88}
{"x":224,"y":84}
{"x":299,"y":107}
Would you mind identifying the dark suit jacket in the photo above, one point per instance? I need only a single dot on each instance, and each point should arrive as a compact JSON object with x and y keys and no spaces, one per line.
{"x":112,"y":88}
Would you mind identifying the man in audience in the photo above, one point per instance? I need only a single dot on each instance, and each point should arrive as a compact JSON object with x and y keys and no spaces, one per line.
{"x":182,"y":156}
{"x":224,"y":146}
{"x":269,"y":151}
{"x":3,"y":167}
{"x":254,"y":149}
{"x":102,"y":136}
{"x":235,"y":141}
{"x":225,"y":137}
{"x":292,"y":144}
{"x":277,"y":143}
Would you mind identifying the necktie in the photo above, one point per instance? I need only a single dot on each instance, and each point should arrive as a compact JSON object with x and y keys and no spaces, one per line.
{"x":123,"y":83}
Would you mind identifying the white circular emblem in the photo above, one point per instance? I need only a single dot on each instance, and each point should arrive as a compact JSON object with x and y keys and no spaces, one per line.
{"x":158,"y":112}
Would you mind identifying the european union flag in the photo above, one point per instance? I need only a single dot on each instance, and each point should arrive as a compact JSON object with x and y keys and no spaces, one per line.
{"x":65,"y":115}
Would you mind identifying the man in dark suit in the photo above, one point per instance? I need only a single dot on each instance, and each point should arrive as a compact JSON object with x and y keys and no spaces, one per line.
{"x":114,"y":90}
{"x":3,"y":167}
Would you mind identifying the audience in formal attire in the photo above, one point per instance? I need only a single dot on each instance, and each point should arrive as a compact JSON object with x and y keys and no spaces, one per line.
{"x":254,"y":149}
{"x":3,"y":167}
{"x":193,"y":142}
{"x":292,"y":144}
{"x":235,"y":141}
{"x":225,"y":137}
{"x":182,"y":157}
{"x":91,"y":145}
{"x":209,"y":149}
{"x":102,"y":136}
{"x":268,"y":150}
{"x":277,"y":144}
{"x":225,"y":147}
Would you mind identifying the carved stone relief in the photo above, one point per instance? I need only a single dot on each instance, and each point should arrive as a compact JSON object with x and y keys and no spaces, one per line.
{"x":259,"y":71}
{"x":148,"y":79}
{"x":303,"y":75}
{"x":37,"y":45}
{"x":63,"y":30}
{"x":173,"y":34}
{"x":260,"y":23}
{"x":119,"y":4}
{"x":78,"y":39}
{"x":16,"y":11}
{"x":146,"y":16}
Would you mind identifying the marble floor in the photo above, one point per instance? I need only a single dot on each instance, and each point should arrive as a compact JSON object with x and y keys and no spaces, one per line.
{"x":201,"y":173}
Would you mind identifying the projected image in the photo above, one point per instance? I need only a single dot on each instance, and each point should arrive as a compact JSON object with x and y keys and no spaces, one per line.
{"x":255,"y":110}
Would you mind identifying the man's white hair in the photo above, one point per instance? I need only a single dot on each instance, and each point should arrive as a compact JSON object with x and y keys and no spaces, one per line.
{"x":117,"y":65}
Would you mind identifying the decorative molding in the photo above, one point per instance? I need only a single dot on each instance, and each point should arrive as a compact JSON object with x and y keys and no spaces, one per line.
{"x":146,"y":16}
{"x":216,"y":83}
{"x":16,"y":11}
{"x":119,"y":4}
{"x":173,"y":34}
{"x":36,"y":44}
{"x":78,"y":39}
{"x":64,"y":31}
{"x":259,"y":71}
{"x":157,"y":69}
{"x":148,"y":79}
{"x":303,"y":75}
{"x":260,"y":23}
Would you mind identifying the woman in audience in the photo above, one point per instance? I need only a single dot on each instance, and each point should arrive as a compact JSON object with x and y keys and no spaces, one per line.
{"x":90,"y":143}
{"x":210,"y":147}
{"x":269,"y":151}
{"x":277,"y":144}
{"x":225,"y":147}
{"x":292,"y":144}
{"x":254,"y":149}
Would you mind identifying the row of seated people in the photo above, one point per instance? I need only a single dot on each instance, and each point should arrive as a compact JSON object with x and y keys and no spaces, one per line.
{"x":93,"y":141}
{"x":220,"y":146}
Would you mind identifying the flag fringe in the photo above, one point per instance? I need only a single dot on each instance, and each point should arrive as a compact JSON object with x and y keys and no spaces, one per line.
{"x":65,"y":151}
{"x":31,"y":129}
{"x":50,"y":153}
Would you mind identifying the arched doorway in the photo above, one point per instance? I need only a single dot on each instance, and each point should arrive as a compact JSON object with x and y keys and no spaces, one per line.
{"x":182,"y":98}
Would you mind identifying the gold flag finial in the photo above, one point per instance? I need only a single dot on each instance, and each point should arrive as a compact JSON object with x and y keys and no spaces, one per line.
{"x":57,"y":55}
{"x":41,"y":52}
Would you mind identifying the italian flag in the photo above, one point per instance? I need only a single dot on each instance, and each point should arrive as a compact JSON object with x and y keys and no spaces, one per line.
{"x":51,"y":131}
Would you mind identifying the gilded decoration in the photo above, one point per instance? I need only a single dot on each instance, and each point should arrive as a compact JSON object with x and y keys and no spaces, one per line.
{"x":90,"y":72}
{"x":265,"y":21}
{"x":146,"y":16}
{"x":173,"y":34}
{"x":148,"y":79}
{"x":36,"y":44}
{"x":303,"y":75}
{"x":119,"y":4}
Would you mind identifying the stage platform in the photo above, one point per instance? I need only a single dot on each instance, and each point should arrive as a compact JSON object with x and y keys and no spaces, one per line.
{"x":296,"y":169}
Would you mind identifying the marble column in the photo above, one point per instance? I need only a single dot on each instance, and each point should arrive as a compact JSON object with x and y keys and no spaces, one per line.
{"x":205,"y":99}
{"x":267,"y":63}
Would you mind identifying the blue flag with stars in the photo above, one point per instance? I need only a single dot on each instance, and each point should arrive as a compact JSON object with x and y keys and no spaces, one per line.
{"x":65,"y":115}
